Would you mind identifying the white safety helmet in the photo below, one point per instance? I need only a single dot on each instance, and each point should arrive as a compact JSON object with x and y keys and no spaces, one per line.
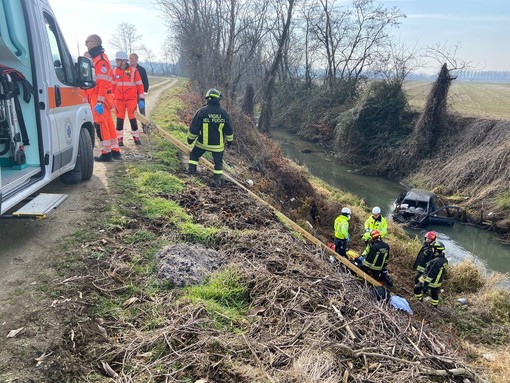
{"x":376,"y":210}
{"x":346,"y":210}
{"x":121,"y":55}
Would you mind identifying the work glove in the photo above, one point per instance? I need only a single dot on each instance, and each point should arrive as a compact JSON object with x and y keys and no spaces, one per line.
{"x":190,"y":141}
{"x":229,"y":144}
{"x":141,"y":104}
{"x":99,"y":109}
{"x":348,"y":239}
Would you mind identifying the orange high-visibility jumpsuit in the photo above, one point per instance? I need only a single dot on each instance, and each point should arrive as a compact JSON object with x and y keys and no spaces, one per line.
{"x":127,"y":90}
{"x":87,"y":94}
{"x":102,"y":93}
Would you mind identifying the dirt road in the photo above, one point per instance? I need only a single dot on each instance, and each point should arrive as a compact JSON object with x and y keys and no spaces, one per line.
{"x":25,"y":246}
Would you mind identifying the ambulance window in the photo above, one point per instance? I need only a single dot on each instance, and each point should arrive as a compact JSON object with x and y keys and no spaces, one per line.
{"x":62,"y":62}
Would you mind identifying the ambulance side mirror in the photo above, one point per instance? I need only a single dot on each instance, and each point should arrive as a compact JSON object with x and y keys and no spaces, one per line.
{"x":86,"y":76}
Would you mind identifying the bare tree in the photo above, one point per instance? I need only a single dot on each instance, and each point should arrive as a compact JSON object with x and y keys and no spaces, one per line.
{"x":269,"y":80}
{"x":352,"y":38}
{"x":150,"y":58}
{"x":309,"y":47}
{"x":447,"y":54}
{"x":368,"y":36}
{"x":196,"y":31}
{"x":125,"y":38}
{"x":170,"y":57}
{"x":251,"y":31}
{"x":330,"y":30}
{"x":397,"y":62}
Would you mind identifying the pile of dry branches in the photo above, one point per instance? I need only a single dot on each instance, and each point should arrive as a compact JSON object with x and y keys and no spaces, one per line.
{"x":308,"y":322}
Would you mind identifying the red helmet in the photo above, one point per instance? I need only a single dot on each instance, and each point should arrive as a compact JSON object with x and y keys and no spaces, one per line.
{"x":375,"y":234}
{"x":431,"y":235}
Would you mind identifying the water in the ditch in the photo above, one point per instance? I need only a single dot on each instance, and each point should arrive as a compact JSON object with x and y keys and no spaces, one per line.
{"x":461,"y":241}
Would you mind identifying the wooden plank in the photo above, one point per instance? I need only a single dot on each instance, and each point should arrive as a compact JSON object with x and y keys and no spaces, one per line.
{"x":315,"y":241}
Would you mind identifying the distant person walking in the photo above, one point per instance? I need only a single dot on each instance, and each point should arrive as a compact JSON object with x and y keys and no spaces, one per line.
{"x":207,"y":130}
{"x":101,"y":101}
{"x":128,"y":92}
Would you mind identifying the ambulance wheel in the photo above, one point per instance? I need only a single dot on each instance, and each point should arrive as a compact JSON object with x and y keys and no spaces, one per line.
{"x":86,"y":155}
{"x":82,"y":169}
{"x":72,"y":177}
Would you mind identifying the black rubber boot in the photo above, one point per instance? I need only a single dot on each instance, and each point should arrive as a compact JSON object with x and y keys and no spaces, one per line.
{"x":192,"y":169}
{"x":104,"y":157}
{"x":216,"y":180}
{"x":386,"y":279}
{"x":116,"y":155}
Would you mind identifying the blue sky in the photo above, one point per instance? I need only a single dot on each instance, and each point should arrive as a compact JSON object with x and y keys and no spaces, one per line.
{"x":80,"y":18}
{"x":481,"y":27}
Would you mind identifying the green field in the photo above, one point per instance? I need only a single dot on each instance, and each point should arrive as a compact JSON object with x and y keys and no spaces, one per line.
{"x":488,"y":100}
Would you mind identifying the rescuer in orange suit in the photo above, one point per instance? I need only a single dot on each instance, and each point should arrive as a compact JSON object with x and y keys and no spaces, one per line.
{"x":128,"y":93}
{"x":101,"y":101}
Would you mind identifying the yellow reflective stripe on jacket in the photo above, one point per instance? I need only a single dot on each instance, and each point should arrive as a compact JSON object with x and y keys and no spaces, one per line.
{"x":220,"y":129}
{"x":211,"y":148}
{"x":435,"y":282}
{"x":205,"y":133}
{"x":378,"y":254}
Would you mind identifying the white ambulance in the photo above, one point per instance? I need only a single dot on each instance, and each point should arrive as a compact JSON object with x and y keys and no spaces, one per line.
{"x":46,"y":125}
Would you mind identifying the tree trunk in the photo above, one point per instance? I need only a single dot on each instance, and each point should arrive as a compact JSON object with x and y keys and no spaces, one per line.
{"x":267,"y":90}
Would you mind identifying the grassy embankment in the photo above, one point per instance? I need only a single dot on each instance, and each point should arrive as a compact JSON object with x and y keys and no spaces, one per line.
{"x":145,"y":214}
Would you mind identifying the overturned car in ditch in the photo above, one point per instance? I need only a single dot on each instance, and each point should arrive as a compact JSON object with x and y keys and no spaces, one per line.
{"x":420,"y":208}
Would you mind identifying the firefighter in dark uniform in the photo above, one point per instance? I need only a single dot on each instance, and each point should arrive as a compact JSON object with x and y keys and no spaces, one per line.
{"x":207,"y":129}
{"x":433,"y":276}
{"x":374,"y":259}
{"x":424,"y":255}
